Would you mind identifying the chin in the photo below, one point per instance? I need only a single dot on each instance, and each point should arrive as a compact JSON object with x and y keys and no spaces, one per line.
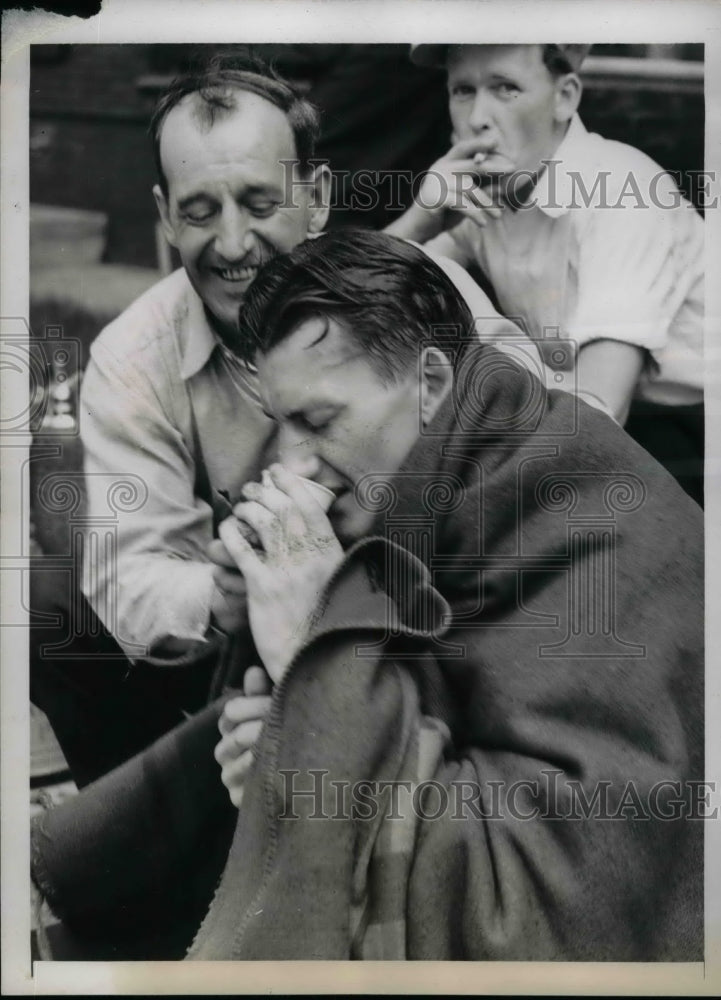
{"x":226,"y":312}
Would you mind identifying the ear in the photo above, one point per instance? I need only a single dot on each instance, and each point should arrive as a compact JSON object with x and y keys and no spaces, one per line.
{"x":164,"y":212}
{"x":568,"y":96}
{"x":320,"y":199}
{"x":436,"y":381}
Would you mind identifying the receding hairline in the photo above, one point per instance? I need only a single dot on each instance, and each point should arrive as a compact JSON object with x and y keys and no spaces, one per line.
{"x":196,"y":110}
{"x":205,"y":120}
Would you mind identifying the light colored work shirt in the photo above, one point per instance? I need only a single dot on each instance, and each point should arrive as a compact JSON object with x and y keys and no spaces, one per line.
{"x":594,"y":254}
{"x":166,"y":411}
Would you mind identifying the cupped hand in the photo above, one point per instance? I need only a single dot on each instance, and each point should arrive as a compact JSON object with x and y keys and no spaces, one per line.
{"x":228,"y":609}
{"x":452,"y":186}
{"x":285,"y":581}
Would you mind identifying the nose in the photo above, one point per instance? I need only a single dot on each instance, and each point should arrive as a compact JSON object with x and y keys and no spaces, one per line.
{"x":296,"y":451}
{"x":234,"y":238}
{"x":480,"y":117}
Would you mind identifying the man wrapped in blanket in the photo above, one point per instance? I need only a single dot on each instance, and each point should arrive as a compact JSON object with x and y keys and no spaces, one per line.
{"x":485,"y":734}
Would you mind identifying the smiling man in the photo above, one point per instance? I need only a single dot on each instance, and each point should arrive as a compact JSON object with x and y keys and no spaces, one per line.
{"x":167,"y":407}
{"x":576,"y":234}
{"x":468,"y":644}
{"x":222,"y":195}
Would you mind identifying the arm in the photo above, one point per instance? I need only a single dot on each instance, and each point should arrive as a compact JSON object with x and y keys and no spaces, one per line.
{"x":153,"y":586}
{"x":608,"y":370}
{"x":634,"y":267}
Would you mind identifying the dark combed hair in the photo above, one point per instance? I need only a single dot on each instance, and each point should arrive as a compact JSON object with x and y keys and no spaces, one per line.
{"x":388,"y":294}
{"x":216,"y":83}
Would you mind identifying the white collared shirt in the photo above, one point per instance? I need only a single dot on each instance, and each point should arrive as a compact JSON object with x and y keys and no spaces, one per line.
{"x":593,"y":254}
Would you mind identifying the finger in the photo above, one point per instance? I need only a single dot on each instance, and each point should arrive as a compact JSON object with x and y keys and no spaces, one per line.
{"x":236,"y":795}
{"x":229,"y":581}
{"x":462,"y":197}
{"x":218,"y":554}
{"x":236,"y":742}
{"x":234,"y":772}
{"x":313,"y":514}
{"x":256,"y":682}
{"x":233,"y":777}
{"x":268,"y":495}
{"x":483,"y":199}
{"x":243,"y":709}
{"x":463,"y":168}
{"x":478,"y":214}
{"x":467,"y":148}
{"x":239,"y":549}
{"x":263,"y":522}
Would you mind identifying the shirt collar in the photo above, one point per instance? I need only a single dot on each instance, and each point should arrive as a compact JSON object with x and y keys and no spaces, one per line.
{"x":200,"y":341}
{"x":553,"y":194}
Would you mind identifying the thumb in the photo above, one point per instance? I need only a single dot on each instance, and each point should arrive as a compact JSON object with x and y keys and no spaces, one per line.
{"x":256,"y":682}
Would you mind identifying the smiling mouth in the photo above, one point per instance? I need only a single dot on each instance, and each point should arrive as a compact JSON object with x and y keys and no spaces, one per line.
{"x":236,"y":274}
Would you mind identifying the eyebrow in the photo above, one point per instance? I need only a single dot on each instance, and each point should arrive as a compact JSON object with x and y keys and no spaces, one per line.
{"x":266,"y":189}
{"x":322,"y":335}
{"x":309,"y":408}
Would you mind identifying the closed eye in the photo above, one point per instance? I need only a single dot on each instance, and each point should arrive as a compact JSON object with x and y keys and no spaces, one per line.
{"x":314,"y":423}
{"x":196,"y":213}
{"x":264,"y":209}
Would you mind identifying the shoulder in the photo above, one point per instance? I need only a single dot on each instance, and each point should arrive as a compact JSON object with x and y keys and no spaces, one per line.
{"x":151,"y":324}
{"x":619,"y":170}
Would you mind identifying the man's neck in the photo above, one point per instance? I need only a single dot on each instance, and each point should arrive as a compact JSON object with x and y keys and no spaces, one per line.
{"x":226,"y":334}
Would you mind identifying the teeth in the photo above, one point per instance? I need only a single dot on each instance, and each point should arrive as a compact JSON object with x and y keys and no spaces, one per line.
{"x":237,"y":273}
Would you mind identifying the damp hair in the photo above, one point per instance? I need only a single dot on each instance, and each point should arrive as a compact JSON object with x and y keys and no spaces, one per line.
{"x":386,"y":293}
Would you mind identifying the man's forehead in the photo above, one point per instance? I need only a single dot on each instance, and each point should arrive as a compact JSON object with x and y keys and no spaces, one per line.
{"x":319,"y":342}
{"x":254,"y":127}
{"x":318,"y":355}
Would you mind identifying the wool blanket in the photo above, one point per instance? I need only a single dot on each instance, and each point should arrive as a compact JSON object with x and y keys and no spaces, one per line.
{"x":531,"y":598}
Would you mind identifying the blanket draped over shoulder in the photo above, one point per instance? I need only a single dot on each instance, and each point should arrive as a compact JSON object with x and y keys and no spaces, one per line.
{"x":516,"y":656}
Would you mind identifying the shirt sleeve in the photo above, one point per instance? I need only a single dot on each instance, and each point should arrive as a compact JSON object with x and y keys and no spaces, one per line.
{"x":635,"y":268}
{"x":490,"y":327}
{"x":145,"y":570}
{"x":447,"y":245}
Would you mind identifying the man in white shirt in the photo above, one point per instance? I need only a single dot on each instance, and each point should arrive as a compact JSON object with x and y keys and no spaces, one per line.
{"x":166,"y":402}
{"x":586,"y":242}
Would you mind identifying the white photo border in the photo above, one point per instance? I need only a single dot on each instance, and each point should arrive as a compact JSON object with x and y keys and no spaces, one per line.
{"x":212,"y":21}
